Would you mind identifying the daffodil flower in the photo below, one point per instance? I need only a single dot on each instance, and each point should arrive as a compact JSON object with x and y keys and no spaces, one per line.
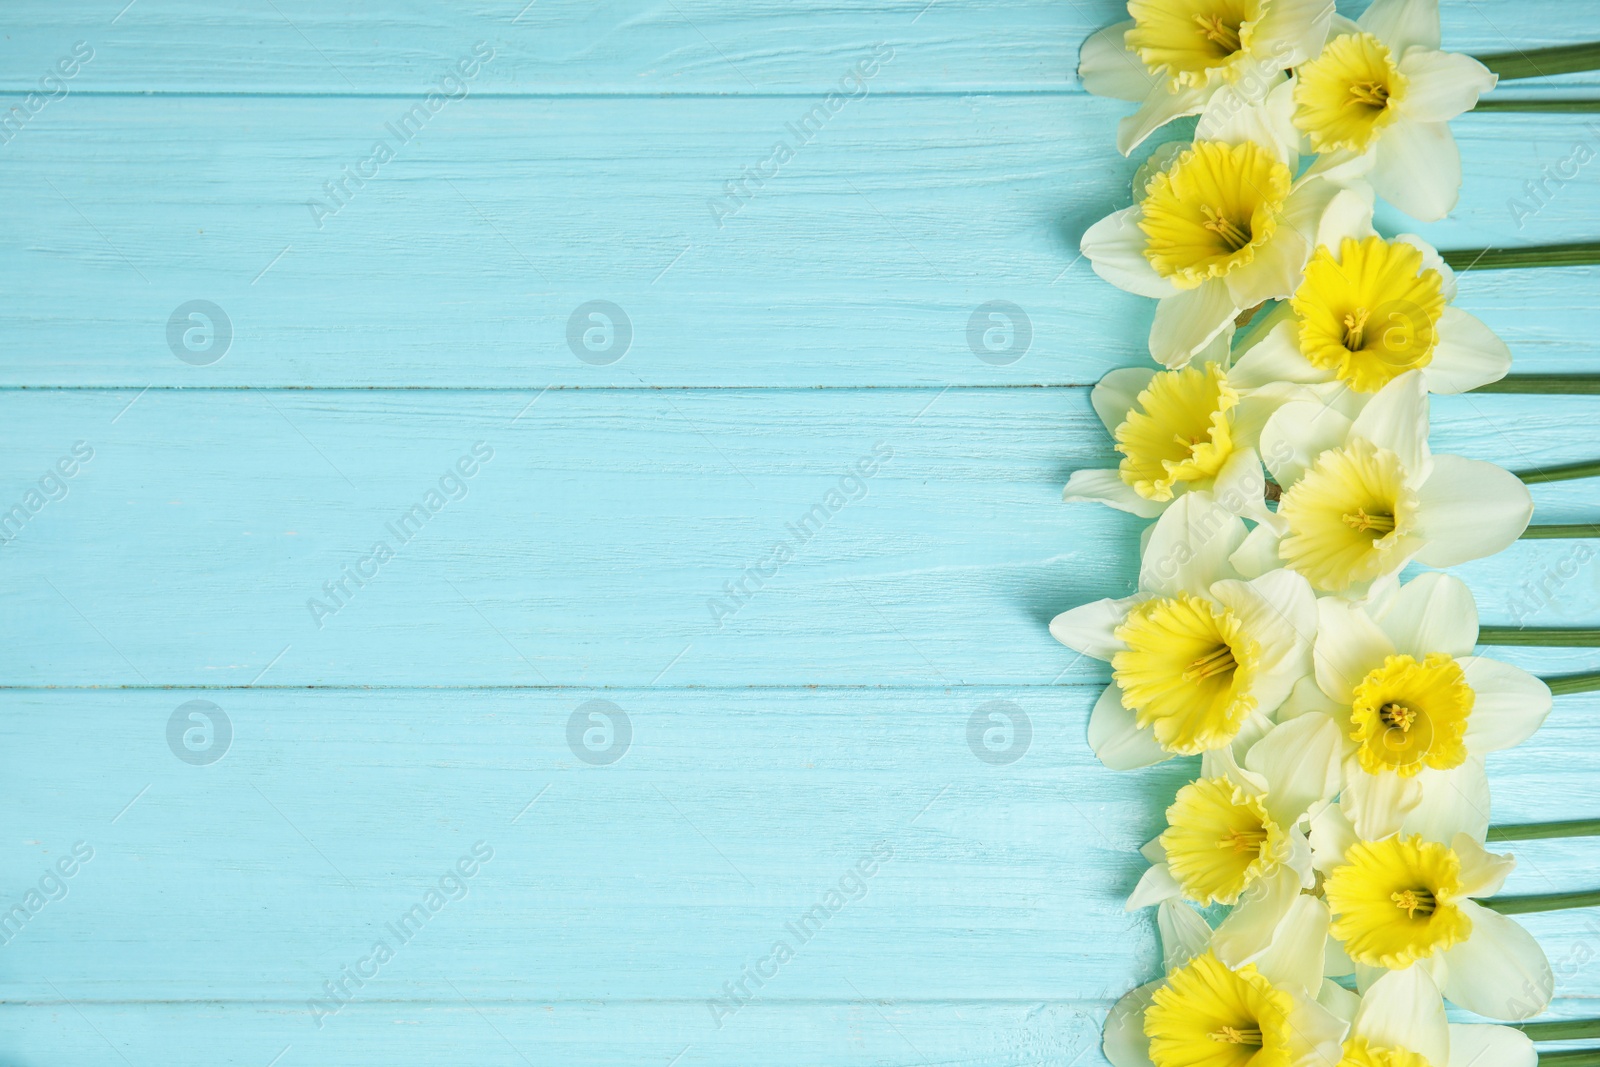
{"x":1400,"y":1022}
{"x":1221,"y":225}
{"x":1368,"y":311}
{"x":1178,"y":431}
{"x":1378,"y":100}
{"x":1418,"y":711}
{"x":1237,"y":826}
{"x":1172,"y":56}
{"x":1408,"y":902}
{"x":1206,"y":1011}
{"x":1199,"y":658}
{"x":1365,"y":496}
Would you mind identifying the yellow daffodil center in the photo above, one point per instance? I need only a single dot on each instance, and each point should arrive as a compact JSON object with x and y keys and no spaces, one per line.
{"x":1395,"y":901}
{"x":1347,"y":95}
{"x":1187,"y":673}
{"x":1180,"y":430}
{"x":1193,"y":42}
{"x":1358,"y":1052}
{"x":1219,"y":839}
{"x":1207,"y":1015}
{"x":1408,"y":715}
{"x":1351,"y":517}
{"x":1372,"y":314}
{"x":1211,"y":210}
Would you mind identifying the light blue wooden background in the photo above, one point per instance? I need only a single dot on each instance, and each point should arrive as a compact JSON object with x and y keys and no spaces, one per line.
{"x":825,"y":318}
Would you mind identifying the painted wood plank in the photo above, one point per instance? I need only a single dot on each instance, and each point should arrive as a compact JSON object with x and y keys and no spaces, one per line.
{"x":655,"y":878}
{"x":206,"y":541}
{"x":626,"y":46}
{"x":473,"y":258}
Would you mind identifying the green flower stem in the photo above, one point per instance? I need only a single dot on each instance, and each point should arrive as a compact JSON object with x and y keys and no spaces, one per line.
{"x":1544,"y":831}
{"x":1561,"y":532}
{"x":1543,"y":62}
{"x":1538,"y":637}
{"x":1560,"y":107}
{"x":1542,"y":902}
{"x":1560,"y":472}
{"x":1581,"y":1057}
{"x":1562,"y":1030}
{"x":1568,"y":684}
{"x":1556,"y":384}
{"x":1585,"y":254}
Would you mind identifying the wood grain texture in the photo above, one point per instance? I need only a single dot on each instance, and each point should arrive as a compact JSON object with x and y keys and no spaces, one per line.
{"x":617,"y":46}
{"x":836,"y":710}
{"x":192,"y":548}
{"x":862,"y":262}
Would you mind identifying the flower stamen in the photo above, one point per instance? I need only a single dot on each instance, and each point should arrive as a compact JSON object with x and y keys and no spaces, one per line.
{"x":1371,"y":94}
{"x":1377,"y":522}
{"x":1228,"y":1035}
{"x":1397,"y":716}
{"x":1234,"y":236}
{"x":1219,"y":32}
{"x":1242,"y":841}
{"x":1412,"y":901}
{"x":1218,"y":662}
{"x":1355,"y":329}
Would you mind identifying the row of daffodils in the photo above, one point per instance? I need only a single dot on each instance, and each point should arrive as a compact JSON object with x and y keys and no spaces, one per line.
{"x":1340,"y":714}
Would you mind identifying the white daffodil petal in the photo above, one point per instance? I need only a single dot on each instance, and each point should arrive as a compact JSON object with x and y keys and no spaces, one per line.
{"x":1442,"y":85}
{"x":1123,"y":1040}
{"x":1158,"y":109}
{"x":1418,"y":169}
{"x":1336,"y":963}
{"x":1107,"y":68}
{"x":1295,"y":956}
{"x":1274,"y":274}
{"x":1296,"y":434}
{"x":1275,"y":358}
{"x":1349,"y":645}
{"x":1431,"y":613}
{"x":1248,"y":930}
{"x":1331,"y":837}
{"x":1508,"y":705}
{"x":1281,"y":609}
{"x":1397,"y":419}
{"x":1450,"y":802}
{"x":1348,"y":215}
{"x":1189,"y":546}
{"x":1300,"y":761}
{"x":1482,"y":872}
{"x":1258,"y":553}
{"x":1292,"y":31}
{"x":1404,"y":1009}
{"x":1500,"y":972}
{"x":1184,"y":933}
{"x":1402,"y":24}
{"x":1377,"y":804}
{"x":1115,"y":247}
{"x":1340,"y":1001}
{"x":1241,"y":485}
{"x":1467,"y":355}
{"x":1115,"y":736}
{"x":1155,"y":885}
{"x":1186,"y":323}
{"x":1318,"y":1031}
{"x":1118,"y":393}
{"x":1470,"y":509}
{"x":1107,"y":487}
{"x":1152,"y":850}
{"x":1477,"y":1044}
{"x":1248,"y":111}
{"x":1089,"y":628}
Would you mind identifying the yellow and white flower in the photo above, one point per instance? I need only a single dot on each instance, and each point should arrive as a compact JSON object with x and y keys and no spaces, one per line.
{"x":1172,"y":56}
{"x":1365,"y":496}
{"x":1221,"y":225}
{"x":1400,"y":1022}
{"x":1207,"y":1012}
{"x":1368,"y":311}
{"x":1199,"y":658}
{"x":1238,"y":826}
{"x":1178,"y":431}
{"x":1378,"y":100}
{"x":1417,"y":709}
{"x":1408,"y":902}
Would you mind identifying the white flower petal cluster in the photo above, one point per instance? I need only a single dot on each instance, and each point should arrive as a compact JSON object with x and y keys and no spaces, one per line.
{"x":1280,"y":628}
